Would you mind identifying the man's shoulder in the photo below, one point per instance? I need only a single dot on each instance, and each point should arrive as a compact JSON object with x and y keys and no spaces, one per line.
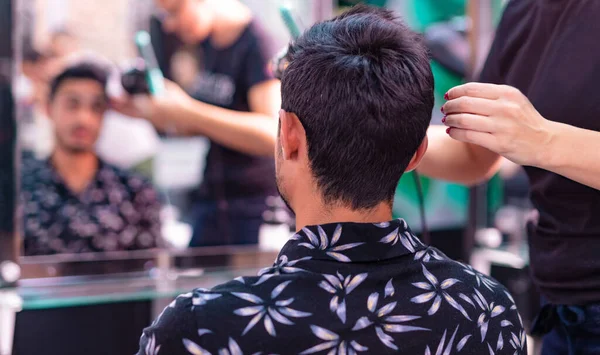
{"x":33,"y":172}
{"x":30,"y":163}
{"x":242,"y":297}
{"x":452,"y":273}
{"x":461,"y":306}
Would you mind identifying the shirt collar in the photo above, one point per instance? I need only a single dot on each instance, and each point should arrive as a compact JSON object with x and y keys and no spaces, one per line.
{"x":49,"y":171}
{"x":353,"y":242}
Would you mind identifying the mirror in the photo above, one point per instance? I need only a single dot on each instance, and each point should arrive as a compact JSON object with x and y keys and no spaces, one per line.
{"x":95,"y":182}
{"x":169,"y":171}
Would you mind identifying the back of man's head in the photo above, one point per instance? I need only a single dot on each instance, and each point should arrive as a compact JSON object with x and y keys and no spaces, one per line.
{"x":362,"y":87}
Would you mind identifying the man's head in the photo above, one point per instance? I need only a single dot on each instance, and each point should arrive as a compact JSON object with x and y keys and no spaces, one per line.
{"x":77,"y":104}
{"x":191,"y":20}
{"x":357,"y":98}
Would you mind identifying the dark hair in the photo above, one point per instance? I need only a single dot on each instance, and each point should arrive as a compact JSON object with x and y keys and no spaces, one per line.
{"x":83,"y":70}
{"x":361,"y":85}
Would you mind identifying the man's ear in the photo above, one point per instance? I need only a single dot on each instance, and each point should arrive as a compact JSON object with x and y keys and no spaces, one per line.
{"x":291,"y":134}
{"x":416,"y":159}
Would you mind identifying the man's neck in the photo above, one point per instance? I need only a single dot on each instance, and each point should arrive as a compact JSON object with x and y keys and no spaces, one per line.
{"x":232,"y":18}
{"x":76,"y":169}
{"x":311,"y":214}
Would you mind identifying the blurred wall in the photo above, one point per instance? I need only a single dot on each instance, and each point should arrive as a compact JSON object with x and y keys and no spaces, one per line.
{"x":101,"y":26}
{"x":106,"y":26}
{"x":308,"y":11}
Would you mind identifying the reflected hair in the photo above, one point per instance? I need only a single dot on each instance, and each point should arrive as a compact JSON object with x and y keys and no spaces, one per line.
{"x":79,"y":71}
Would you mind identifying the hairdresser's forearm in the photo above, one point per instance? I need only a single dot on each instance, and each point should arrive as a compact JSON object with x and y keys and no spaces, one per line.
{"x":451,"y":160}
{"x":247,"y":132}
{"x":573,"y":153}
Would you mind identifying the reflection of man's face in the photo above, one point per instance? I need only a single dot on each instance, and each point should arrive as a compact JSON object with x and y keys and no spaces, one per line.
{"x":190,"y":20}
{"x":76,"y":111}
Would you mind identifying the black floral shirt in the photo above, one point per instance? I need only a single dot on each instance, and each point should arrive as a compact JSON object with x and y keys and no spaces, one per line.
{"x":117,"y":211}
{"x":346,"y":289}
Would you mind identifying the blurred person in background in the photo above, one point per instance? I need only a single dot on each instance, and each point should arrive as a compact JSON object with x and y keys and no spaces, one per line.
{"x":544,"y":117}
{"x":38,"y":67}
{"x":31,"y":93}
{"x":73,"y":202}
{"x":233,"y":100}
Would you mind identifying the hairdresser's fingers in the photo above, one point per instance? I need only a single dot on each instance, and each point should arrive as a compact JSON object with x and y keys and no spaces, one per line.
{"x":483,"y":139}
{"x":472,"y":105}
{"x":479,"y":90}
{"x":470,"y":122}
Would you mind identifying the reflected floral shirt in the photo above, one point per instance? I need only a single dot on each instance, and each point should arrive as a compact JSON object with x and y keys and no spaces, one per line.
{"x":117,"y":211}
{"x":346,"y":289}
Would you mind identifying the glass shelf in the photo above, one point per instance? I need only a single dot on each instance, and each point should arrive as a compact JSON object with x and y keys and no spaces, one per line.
{"x":84,"y":291}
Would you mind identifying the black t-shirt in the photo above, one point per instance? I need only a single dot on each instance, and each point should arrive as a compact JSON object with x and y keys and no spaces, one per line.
{"x":549,"y":50}
{"x":225,"y":77}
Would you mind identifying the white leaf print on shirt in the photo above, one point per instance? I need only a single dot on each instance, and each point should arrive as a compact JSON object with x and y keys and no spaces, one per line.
{"x":194,"y":348}
{"x":329,"y":247}
{"x":409,"y":241}
{"x":383,"y":322}
{"x":281,"y":267}
{"x":480,"y":278}
{"x":463,"y":342}
{"x":437,"y":292}
{"x":151,"y":347}
{"x":340,"y":287}
{"x":232,"y":347}
{"x":519,"y":342}
{"x":514,"y":308}
{"x":334,"y":342}
{"x":268,"y":310}
{"x":427,"y":254}
{"x":443,"y":348}
{"x":489,"y":312}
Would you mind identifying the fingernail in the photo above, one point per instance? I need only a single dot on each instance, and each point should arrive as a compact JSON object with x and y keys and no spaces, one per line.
{"x":448,"y":130}
{"x":446,"y":96}
{"x":442,"y":109}
{"x":444,"y":119}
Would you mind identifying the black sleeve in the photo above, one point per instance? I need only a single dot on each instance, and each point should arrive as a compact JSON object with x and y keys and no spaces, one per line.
{"x":498,"y":59}
{"x":164,"y":46}
{"x":258,"y":57}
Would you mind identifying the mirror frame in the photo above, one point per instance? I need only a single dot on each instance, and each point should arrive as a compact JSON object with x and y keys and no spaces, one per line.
{"x":9,"y":150}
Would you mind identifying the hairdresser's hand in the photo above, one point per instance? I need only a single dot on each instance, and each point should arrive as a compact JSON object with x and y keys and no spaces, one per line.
{"x":499,"y":118}
{"x":162,"y":111}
